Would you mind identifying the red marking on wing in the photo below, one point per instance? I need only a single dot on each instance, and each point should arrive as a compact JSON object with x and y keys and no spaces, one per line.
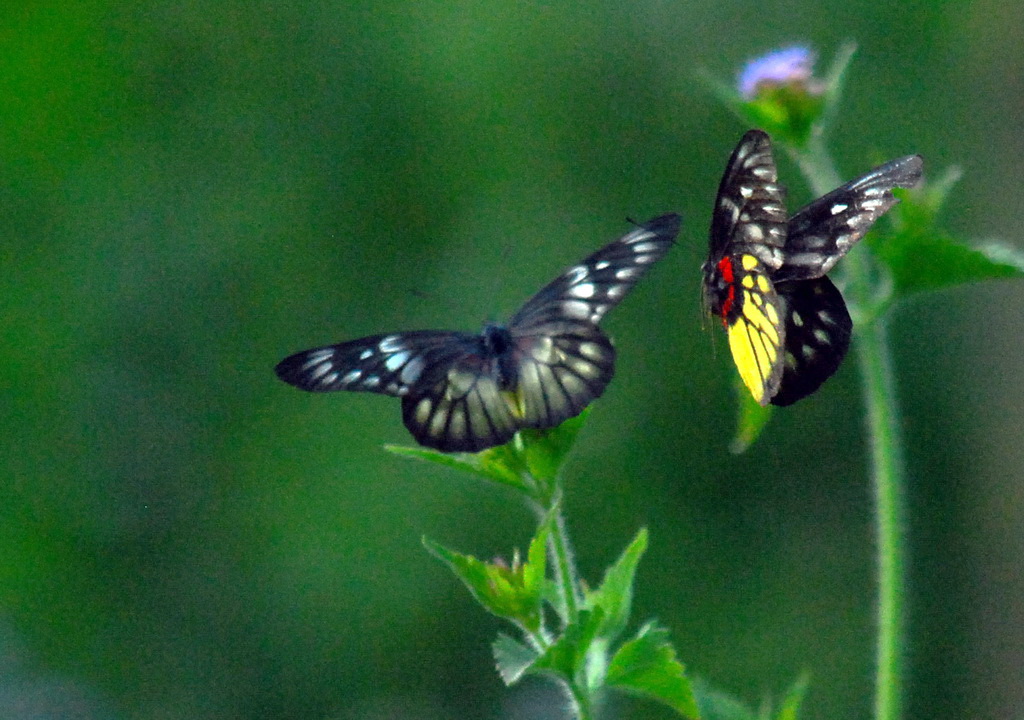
{"x":725,"y":267}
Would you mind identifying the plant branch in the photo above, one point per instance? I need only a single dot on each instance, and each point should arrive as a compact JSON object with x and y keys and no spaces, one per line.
{"x":885,"y":443}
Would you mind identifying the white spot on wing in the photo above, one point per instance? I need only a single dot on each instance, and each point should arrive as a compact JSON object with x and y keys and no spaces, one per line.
{"x":577,"y":274}
{"x":583,"y":290}
{"x":838,"y":208}
{"x":627,"y":273}
{"x":351,"y":376}
{"x":411,"y":372}
{"x":576,"y":309}
{"x":645,"y":247}
{"x":396,"y":361}
{"x":318,"y":372}
{"x":390,"y":344}
{"x":366,"y":354}
{"x":372,"y":381}
{"x":316,"y":357}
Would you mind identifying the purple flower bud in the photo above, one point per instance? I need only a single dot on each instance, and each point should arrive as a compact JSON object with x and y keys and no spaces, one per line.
{"x":792,"y":65}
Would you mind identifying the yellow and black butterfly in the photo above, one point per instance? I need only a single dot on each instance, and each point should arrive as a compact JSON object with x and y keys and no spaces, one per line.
{"x":466,"y":392}
{"x":787,"y":323}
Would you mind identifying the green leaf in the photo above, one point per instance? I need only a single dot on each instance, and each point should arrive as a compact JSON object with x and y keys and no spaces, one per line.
{"x":751,"y":420}
{"x":512,"y":593}
{"x":920,"y":262}
{"x":921,"y":257}
{"x":500,"y":464}
{"x":512,"y":658}
{"x":566,"y":657}
{"x":647,"y":666}
{"x":545,"y":451}
{"x":615,"y":594}
{"x":716,"y":704}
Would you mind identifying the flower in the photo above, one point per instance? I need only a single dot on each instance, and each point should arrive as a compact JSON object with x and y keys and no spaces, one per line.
{"x":788,"y":66}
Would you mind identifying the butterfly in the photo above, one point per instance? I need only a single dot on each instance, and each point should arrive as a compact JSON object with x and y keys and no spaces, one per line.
{"x":765,"y":275}
{"x":466,"y":392}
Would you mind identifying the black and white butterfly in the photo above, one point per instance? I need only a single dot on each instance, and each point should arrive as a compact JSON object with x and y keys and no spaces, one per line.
{"x":466,"y":392}
{"x":787,"y":323}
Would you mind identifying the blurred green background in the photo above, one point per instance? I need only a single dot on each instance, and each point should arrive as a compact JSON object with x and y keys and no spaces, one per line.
{"x":190,"y":191}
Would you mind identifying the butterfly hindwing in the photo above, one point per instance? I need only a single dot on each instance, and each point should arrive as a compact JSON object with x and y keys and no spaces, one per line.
{"x":464,"y":410}
{"x":824,"y":230}
{"x":753,"y":322}
{"x":818,"y":328}
{"x":560,"y":374}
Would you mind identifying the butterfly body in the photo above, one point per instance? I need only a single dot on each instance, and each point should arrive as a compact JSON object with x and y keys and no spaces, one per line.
{"x":466,"y":392}
{"x":787,"y":323}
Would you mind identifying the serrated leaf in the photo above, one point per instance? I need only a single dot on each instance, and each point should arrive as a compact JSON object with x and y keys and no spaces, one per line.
{"x":495,"y":464}
{"x":512,"y":658}
{"x":920,"y":262}
{"x":499,"y":589}
{"x":545,"y":450}
{"x":647,"y":666}
{"x":566,"y":657}
{"x":717,"y":704}
{"x":751,"y":420}
{"x":615,"y":594}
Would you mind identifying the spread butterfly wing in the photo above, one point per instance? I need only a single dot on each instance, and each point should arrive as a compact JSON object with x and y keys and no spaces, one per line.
{"x":818,"y":329}
{"x":585,"y":292}
{"x":820,"y":233}
{"x":563,"y":360}
{"x":388,"y":364}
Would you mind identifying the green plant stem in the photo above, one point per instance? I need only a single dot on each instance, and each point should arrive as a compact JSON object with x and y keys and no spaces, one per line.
{"x":565,"y":569}
{"x":886,"y":448}
{"x":567,"y":584}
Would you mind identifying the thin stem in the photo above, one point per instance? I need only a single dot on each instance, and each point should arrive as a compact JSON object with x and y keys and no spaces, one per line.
{"x":886,"y":447}
{"x":888,"y":469}
{"x":566,"y":576}
{"x":567,"y":584}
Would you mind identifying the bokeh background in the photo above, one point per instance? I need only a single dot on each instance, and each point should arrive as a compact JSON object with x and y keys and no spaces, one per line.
{"x":190,"y":191}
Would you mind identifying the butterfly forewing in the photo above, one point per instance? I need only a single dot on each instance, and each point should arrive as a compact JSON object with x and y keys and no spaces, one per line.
{"x":818,"y":329}
{"x":389,"y":364}
{"x":821,"y":232}
{"x":750,"y":208}
{"x":585,"y":292}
